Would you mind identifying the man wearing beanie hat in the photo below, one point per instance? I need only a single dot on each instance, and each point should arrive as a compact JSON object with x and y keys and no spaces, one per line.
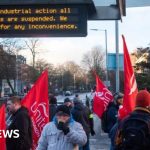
{"x":63,"y":133}
{"x":68,"y":103}
{"x":134,"y":130}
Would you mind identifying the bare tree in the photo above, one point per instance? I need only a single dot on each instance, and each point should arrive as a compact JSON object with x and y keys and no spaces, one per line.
{"x":33,"y":46}
{"x":41,"y":65}
{"x":12,"y":46}
{"x":73,"y":75}
{"x":94,"y":60}
{"x":8,"y":54}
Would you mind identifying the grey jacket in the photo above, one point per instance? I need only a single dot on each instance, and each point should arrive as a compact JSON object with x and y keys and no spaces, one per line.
{"x":54,"y":139}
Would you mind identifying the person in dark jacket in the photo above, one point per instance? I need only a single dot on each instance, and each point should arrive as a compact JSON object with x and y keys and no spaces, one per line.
{"x":87,"y":102}
{"x":112,"y":117}
{"x":134,"y":130}
{"x":21,"y":122}
{"x":68,"y":103}
{"x":83,"y":115}
{"x":113,"y":107}
{"x":52,"y":107}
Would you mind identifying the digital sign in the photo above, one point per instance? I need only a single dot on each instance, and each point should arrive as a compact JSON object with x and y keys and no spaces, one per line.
{"x":44,"y":20}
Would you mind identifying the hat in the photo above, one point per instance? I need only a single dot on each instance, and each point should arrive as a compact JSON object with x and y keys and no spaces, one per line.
{"x":143,"y":99}
{"x":63,"y":110}
{"x":67,"y":100}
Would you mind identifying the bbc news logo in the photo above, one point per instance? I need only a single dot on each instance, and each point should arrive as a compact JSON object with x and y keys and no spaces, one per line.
{"x":9,"y":134}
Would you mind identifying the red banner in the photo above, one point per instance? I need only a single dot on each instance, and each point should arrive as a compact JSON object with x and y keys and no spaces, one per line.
{"x":2,"y":128}
{"x":102,"y":97}
{"x":38,"y":105}
{"x":130,"y":86}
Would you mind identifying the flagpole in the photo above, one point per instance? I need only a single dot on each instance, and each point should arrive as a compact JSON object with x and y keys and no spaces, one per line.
{"x":117,"y":55}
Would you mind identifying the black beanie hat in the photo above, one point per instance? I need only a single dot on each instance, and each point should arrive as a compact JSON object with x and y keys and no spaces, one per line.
{"x":64,"y":109}
{"x":67,"y":100}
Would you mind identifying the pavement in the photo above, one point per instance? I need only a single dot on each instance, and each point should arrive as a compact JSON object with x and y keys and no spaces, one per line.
{"x":100,"y":141}
{"x":100,"y":144}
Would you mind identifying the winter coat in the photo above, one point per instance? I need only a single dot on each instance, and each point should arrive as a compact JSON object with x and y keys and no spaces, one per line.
{"x":82,"y":114}
{"x":112,"y":115}
{"x":52,"y":111}
{"x":54,"y":139}
{"x":22,"y":122}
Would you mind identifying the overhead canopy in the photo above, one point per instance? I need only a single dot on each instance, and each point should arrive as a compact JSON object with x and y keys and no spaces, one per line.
{"x":129,"y":3}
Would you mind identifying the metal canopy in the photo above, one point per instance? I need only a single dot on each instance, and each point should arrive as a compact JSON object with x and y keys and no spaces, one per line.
{"x":129,"y":3}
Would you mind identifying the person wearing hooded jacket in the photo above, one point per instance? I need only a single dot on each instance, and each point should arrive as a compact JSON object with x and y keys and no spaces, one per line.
{"x":20,"y":121}
{"x":63,"y":133}
{"x":52,"y":106}
{"x":112,"y":113}
{"x":83,"y":115}
{"x":136,"y":126}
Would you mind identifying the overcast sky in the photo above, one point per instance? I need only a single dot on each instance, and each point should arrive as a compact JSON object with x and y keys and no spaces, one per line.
{"x":135,"y":27}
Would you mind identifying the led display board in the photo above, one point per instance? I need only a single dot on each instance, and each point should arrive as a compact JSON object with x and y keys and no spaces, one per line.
{"x":43,"y":20}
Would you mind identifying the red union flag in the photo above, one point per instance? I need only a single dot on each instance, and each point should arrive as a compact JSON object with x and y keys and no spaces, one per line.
{"x":2,"y":128}
{"x":130,"y":86}
{"x":102,"y":97}
{"x":37,"y":103}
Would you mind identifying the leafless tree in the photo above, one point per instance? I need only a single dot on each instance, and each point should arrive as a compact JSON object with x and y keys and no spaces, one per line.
{"x":94,"y":60}
{"x":41,"y":65}
{"x":9,"y":49}
{"x":33,"y":45}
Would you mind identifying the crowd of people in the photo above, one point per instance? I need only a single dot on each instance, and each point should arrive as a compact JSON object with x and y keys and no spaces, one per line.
{"x":71,"y":125}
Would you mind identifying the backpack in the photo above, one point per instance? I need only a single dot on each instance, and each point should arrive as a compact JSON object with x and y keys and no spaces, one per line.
{"x":134,"y":132}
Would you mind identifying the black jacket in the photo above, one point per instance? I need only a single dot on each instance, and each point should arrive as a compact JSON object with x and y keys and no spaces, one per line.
{"x":81,"y":114}
{"x":52,"y":111}
{"x":112,"y":115}
{"x":22,"y":122}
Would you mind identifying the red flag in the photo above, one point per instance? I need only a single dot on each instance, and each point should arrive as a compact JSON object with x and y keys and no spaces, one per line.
{"x":37,"y":103}
{"x":130,"y":86}
{"x":2,"y":128}
{"x":102,"y":97}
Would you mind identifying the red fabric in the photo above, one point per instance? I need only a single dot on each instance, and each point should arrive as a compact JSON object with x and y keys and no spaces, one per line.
{"x":130,"y":86}
{"x":143,"y":98}
{"x":38,"y":105}
{"x":2,"y":128}
{"x":102,"y":97}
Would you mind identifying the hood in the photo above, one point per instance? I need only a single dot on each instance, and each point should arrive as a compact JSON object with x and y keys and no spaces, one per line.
{"x":142,"y":109}
{"x":78,"y":105}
